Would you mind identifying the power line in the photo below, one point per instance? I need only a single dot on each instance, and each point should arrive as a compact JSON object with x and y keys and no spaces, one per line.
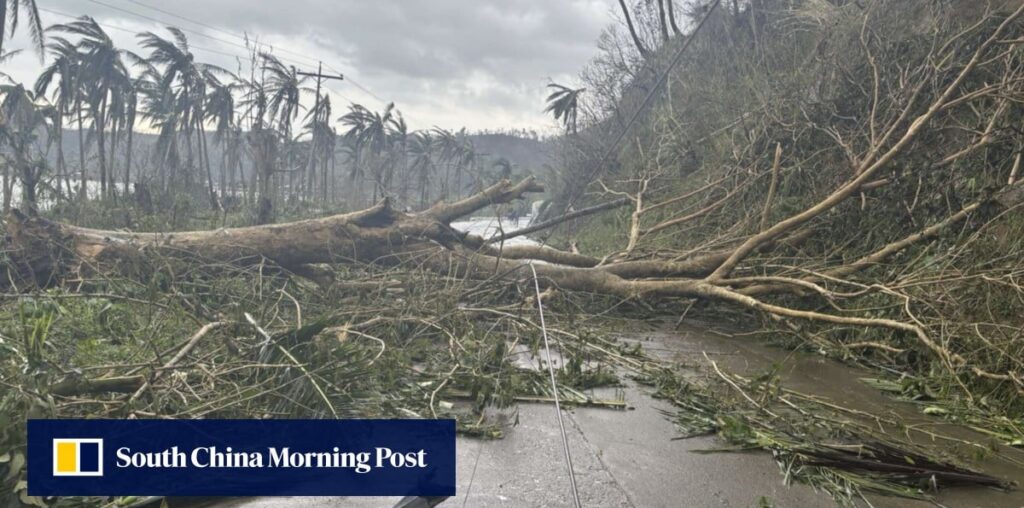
{"x":255,"y":42}
{"x":221,"y":30}
{"x":678,"y":57}
{"x":310,"y":61}
{"x":156,"y":20}
{"x":106,"y":26}
{"x":554,"y":390}
{"x":133,"y":32}
{"x":200,"y":48}
{"x":201,"y":34}
{"x":339,"y":94}
{"x":357,"y":85}
{"x":183,"y":18}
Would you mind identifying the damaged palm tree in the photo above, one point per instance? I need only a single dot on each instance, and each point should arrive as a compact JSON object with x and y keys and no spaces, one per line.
{"x":48,"y":251}
{"x":759,"y":249}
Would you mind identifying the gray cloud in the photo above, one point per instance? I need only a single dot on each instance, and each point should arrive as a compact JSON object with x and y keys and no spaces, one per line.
{"x":478,"y":63}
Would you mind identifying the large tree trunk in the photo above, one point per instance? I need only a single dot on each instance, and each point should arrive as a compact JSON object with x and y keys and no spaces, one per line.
{"x":380,"y":234}
{"x":46,"y":251}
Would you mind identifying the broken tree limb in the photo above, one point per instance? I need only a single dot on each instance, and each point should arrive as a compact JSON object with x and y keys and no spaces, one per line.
{"x":385,"y":236}
{"x":694,"y":267}
{"x":501,"y":192}
{"x":533,"y":228}
{"x":121,"y":384}
{"x":477,"y":266}
{"x":699,"y":266}
{"x":874,"y":160}
{"x":771,"y":187}
{"x":48,"y":249}
{"x":182,"y":353}
{"x":1009,"y":197}
{"x":542,"y":253}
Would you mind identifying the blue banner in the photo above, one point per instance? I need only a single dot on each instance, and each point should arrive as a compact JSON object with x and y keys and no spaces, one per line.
{"x":241,"y":457}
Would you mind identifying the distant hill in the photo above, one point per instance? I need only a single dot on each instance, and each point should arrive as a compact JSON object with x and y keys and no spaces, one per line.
{"x":526,"y":154}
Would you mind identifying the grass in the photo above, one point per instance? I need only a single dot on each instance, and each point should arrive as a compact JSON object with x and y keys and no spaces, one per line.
{"x":347,"y":350}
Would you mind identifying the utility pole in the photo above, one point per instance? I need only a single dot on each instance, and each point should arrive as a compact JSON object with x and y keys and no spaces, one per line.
{"x":320,"y":77}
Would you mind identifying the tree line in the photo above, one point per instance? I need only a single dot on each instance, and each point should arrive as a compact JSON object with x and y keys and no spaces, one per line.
{"x":272,"y":147}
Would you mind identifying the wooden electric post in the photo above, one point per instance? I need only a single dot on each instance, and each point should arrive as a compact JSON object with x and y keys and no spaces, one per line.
{"x":320,"y":76}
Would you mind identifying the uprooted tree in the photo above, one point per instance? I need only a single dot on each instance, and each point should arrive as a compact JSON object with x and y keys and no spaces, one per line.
{"x":974,"y":72}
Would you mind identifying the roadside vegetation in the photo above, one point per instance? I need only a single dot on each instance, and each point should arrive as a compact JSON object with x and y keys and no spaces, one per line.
{"x":873,"y":141}
{"x":841,"y":178}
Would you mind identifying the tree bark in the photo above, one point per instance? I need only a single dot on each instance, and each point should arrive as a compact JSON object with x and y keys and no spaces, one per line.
{"x":115,"y":133}
{"x":7,"y":185}
{"x":46,"y":251}
{"x":124,"y":384}
{"x":62,"y":175}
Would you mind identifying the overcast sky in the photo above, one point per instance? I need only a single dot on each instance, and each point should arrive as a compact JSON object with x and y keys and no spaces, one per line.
{"x":453,"y":63}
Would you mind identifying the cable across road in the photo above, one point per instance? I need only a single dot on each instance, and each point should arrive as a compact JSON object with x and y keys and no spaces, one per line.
{"x":247,"y":40}
{"x":554,"y":389}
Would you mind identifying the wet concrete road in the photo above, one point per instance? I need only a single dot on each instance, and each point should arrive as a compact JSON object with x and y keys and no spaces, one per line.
{"x":621,"y":459}
{"x":629,"y":459}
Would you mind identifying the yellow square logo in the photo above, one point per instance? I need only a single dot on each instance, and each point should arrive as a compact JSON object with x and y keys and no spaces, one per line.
{"x":77,"y":457}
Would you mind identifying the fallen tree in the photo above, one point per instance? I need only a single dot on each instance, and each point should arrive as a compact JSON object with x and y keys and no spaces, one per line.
{"x":46,"y":252}
{"x":849,"y":261}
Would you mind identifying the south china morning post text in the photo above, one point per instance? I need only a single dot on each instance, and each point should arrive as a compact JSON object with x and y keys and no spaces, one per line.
{"x":212,"y":457}
{"x":241,"y":457}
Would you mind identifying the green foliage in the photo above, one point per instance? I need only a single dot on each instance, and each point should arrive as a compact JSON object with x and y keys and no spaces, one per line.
{"x":800,"y":75}
{"x":844,"y":453}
